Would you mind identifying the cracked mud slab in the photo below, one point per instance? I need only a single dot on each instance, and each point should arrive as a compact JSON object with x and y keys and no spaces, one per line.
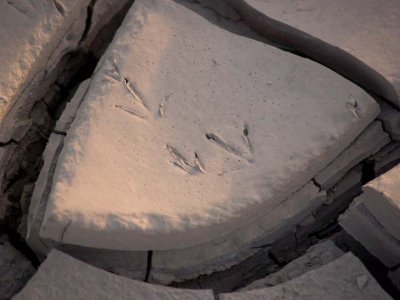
{"x":367,"y":29}
{"x":182,"y":139}
{"x":366,"y":229}
{"x":378,"y":210}
{"x":344,"y":278}
{"x":39,"y":69}
{"x":316,"y":257}
{"x":130,"y":264}
{"x":55,"y":27}
{"x":370,"y":141}
{"x":230,"y":249}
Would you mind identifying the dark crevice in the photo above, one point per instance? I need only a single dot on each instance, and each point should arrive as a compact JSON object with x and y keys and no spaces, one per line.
{"x":368,"y":171}
{"x":221,"y":9}
{"x":149,"y":265}
{"x":276,"y":261}
{"x":327,"y":231}
{"x":107,"y":32}
{"x":88,"y":23}
{"x":80,"y":66}
{"x":8,"y":143}
{"x":59,"y":7}
{"x":59,"y":132}
{"x":255,"y":267}
{"x":316,"y":183}
{"x":19,"y":243}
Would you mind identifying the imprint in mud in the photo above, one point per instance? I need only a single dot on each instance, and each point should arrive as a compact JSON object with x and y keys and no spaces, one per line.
{"x":179,"y":160}
{"x":247,"y":154}
{"x":138,"y":99}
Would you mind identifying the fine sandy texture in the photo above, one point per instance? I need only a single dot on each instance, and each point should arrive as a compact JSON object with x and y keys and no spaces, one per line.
{"x":181,"y":138}
{"x":345,"y":278}
{"x":65,"y":278}
{"x":367,"y":29}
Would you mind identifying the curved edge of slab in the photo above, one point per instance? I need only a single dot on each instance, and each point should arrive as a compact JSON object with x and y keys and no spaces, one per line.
{"x":63,"y":277}
{"x":116,"y":236}
{"x":318,"y":50}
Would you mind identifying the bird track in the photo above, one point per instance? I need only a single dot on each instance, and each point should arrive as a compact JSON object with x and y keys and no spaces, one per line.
{"x":180,"y":161}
